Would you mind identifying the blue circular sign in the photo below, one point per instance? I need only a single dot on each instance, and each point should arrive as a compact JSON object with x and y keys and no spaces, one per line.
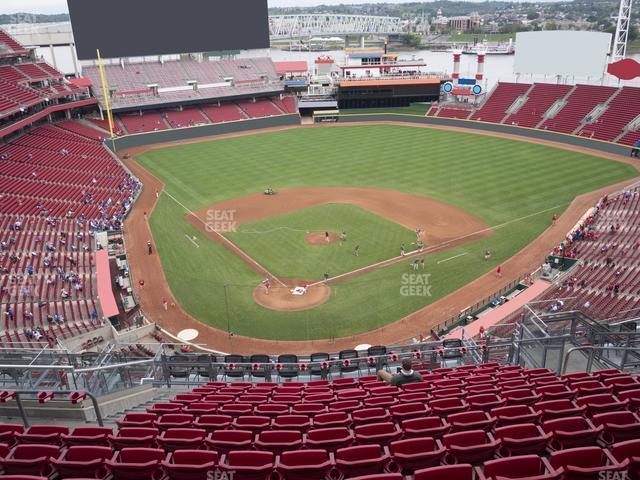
{"x":477,"y":89}
{"x":448,"y":87}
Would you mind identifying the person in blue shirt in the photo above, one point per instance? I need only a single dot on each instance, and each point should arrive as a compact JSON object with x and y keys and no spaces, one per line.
{"x":635,"y":150}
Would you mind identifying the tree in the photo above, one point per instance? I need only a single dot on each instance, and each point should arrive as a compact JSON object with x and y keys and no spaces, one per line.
{"x":532,"y":15}
{"x":412,"y":39}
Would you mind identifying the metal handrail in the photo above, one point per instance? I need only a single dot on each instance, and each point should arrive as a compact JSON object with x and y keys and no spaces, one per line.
{"x":592,"y":348}
{"x":23,"y":414}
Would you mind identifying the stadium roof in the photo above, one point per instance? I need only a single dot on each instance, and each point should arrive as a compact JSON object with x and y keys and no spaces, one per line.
{"x":291,"y":67}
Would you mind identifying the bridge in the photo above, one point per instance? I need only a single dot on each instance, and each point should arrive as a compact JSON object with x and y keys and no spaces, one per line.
{"x":295,"y":26}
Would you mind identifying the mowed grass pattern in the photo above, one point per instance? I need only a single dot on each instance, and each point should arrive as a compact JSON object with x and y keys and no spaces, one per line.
{"x":278,"y":242}
{"x":496,"y":179}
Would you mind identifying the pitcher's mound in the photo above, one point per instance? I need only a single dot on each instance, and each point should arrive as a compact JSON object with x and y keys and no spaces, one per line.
{"x":319,"y":238}
{"x":281,"y":299}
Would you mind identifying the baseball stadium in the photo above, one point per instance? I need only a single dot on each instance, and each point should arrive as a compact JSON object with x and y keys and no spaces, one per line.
{"x":222,"y":261}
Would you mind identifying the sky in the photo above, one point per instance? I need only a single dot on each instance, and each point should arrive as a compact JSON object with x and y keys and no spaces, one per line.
{"x":60,"y":6}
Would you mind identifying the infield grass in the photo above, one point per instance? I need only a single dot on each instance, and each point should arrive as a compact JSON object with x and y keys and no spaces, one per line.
{"x":498,"y":180}
{"x":280,"y":241}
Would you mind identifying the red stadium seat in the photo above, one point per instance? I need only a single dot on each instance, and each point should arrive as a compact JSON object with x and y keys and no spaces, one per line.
{"x":405,"y":411}
{"x":305,"y":464}
{"x":138,"y":419}
{"x":416,"y":453}
{"x":311,"y":409}
{"x":190,"y":464}
{"x":446,"y":406}
{"x":524,"y":467}
{"x":8,"y":432}
{"x":380,"y":476}
{"x":471,"y":420}
{"x":462,"y":471}
{"x":522,"y":439}
{"x":236,"y":409}
{"x":165,"y":407}
{"x":618,"y":426}
{"x":590,"y":387}
{"x":181,"y":438}
{"x":344,"y":406}
{"x":253,"y":423}
{"x":96,"y":436}
{"x":361,"y":460}
{"x":520,"y":397}
{"x":329,"y":438}
{"x":248,"y":465}
{"x":129,"y":437}
{"x":485,"y":401}
{"x":633,"y":397}
{"x":472,"y":446}
{"x":629,"y":450}
{"x":369,"y":415}
{"x":585,"y":463}
{"x":199,"y":408}
{"x":622,"y":383}
{"x":572,"y":432}
{"x":135,"y":463}
{"x":277,"y":441}
{"x":30,"y":459}
{"x":271,"y":409}
{"x":482,"y":388}
{"x":332,"y":419}
{"x":559,"y":409}
{"x":556,"y":391}
{"x":213,"y":422}
{"x":381,"y":433}
{"x":43,"y":434}
{"x":82,"y":461}
{"x":389,"y":401}
{"x":425,"y":427}
{"x":292,"y":422}
{"x":174,"y":420}
{"x":603,"y":402}
{"x":515,"y":414}
{"x":224,"y":441}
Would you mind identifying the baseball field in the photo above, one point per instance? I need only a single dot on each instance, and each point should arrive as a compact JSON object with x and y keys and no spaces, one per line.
{"x":218,"y":235}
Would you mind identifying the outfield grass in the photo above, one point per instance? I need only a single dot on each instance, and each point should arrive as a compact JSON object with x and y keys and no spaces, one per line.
{"x":278,"y":242}
{"x":496,"y":179}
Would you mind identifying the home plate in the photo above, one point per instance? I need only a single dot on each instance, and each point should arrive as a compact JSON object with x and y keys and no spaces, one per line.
{"x":188,"y":334}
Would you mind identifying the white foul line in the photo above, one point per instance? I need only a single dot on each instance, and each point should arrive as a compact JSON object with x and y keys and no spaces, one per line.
{"x":225,"y":239}
{"x":451,"y":258}
{"x":439,"y":245}
{"x":192,"y":240}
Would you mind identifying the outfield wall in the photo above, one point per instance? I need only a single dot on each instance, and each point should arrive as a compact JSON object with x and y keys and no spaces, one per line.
{"x":607,"y":147}
{"x":190,"y":133}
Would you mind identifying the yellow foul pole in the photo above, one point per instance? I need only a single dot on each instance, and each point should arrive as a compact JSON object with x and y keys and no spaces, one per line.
{"x":105,"y":93}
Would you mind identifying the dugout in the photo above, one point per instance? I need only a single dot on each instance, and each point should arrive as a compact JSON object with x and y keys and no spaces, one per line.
{"x":322,"y":116}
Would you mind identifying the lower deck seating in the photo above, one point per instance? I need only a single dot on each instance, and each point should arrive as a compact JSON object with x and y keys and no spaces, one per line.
{"x":57,"y":188}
